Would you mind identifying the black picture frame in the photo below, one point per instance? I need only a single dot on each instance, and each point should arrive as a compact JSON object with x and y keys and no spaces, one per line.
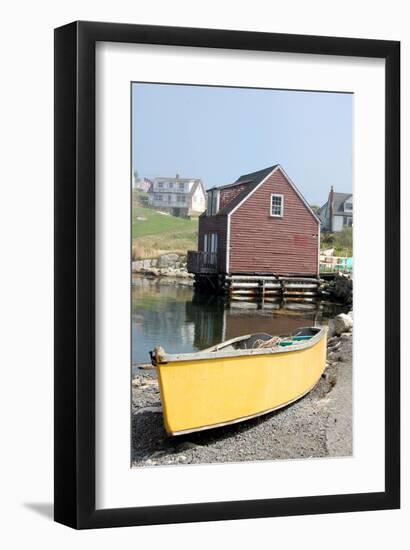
{"x":75,"y":274}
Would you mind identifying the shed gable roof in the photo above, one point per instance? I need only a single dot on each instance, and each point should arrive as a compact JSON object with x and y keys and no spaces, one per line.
{"x":262,"y":175}
{"x":251,"y":181}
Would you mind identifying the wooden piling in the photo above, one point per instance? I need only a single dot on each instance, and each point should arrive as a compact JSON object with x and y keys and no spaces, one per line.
{"x":259,"y":288}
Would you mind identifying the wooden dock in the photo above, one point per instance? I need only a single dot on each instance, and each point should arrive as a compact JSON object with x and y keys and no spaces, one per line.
{"x":266,"y":288}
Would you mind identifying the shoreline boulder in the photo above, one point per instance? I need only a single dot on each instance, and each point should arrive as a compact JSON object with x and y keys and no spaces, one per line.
{"x":343,"y":323}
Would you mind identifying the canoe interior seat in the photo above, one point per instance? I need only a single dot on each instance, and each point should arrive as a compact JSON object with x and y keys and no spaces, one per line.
{"x":299,"y":336}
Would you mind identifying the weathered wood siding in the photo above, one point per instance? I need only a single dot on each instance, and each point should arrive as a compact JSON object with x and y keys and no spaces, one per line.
{"x":282,"y":246}
{"x":214,"y":224}
{"x":226,"y":195}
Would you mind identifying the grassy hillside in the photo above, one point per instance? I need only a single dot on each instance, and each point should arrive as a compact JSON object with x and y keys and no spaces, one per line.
{"x":342,"y":242}
{"x":154,"y":233}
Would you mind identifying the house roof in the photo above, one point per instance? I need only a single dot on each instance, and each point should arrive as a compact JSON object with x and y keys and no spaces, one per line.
{"x":176,"y":180}
{"x":338,"y":201}
{"x":321,"y":209}
{"x":251,"y":180}
{"x":197,"y":183}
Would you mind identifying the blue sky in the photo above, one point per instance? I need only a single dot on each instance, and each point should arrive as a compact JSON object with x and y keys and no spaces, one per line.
{"x":218,"y":134}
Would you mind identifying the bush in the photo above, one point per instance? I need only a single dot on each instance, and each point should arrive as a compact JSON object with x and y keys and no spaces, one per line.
{"x":341,"y":241}
{"x":140,"y":198}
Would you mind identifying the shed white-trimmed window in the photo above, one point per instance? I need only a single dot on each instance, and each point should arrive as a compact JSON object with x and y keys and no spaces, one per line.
{"x":276,"y":205}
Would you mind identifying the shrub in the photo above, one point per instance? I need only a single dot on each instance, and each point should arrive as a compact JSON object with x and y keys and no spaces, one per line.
{"x":341,"y":241}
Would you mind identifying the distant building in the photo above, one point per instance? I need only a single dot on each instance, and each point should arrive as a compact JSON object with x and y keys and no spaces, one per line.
{"x":143,"y":185}
{"x":337,"y":212}
{"x":184,"y":197}
{"x":259,"y":224}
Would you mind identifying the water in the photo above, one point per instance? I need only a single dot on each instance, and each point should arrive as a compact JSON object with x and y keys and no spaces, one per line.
{"x":167,"y":314}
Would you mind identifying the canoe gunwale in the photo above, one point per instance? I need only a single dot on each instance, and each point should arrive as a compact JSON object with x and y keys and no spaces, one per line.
{"x":164,"y":358}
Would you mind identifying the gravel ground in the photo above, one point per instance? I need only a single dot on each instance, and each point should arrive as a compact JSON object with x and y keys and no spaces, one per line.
{"x":318,"y":425}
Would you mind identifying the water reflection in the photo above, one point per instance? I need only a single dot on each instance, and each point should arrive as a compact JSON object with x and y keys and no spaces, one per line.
{"x":168,"y":314}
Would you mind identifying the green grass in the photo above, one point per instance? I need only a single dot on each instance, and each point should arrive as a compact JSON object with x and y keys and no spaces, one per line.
{"x":154,"y":234}
{"x":155,"y":223}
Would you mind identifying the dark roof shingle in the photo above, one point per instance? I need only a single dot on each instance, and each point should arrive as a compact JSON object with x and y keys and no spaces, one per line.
{"x":338,"y":201}
{"x":252,"y":180}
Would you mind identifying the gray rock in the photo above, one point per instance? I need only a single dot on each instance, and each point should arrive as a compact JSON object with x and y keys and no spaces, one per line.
{"x":181,"y":274}
{"x":167,"y":260}
{"x":343,"y":323}
{"x":137,"y":265}
{"x":187,"y":445}
{"x":331,"y":329}
{"x":334,"y":346}
{"x":158,"y":454}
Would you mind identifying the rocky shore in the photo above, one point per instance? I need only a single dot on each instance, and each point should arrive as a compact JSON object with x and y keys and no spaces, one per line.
{"x":166,"y":265}
{"x":318,"y":425}
{"x":339,"y":289}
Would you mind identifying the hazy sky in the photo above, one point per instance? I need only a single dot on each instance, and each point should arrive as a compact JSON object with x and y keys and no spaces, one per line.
{"x":217,"y":134}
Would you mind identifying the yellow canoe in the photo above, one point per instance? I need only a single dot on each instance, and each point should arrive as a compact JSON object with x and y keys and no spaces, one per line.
{"x":238,"y":379}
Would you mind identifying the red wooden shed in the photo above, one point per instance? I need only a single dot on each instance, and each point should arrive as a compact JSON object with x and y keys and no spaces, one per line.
{"x":261,"y":224}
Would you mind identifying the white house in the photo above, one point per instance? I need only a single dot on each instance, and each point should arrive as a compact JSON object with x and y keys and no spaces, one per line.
{"x":184,"y":197}
{"x":337,"y":212}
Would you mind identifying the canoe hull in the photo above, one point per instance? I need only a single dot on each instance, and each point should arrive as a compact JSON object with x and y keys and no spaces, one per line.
{"x":207,"y":393}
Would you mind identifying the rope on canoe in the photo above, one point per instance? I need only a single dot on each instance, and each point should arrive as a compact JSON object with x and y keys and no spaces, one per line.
{"x":272,"y":342}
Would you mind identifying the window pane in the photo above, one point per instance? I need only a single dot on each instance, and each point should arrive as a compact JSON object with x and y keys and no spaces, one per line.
{"x":276,"y":205}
